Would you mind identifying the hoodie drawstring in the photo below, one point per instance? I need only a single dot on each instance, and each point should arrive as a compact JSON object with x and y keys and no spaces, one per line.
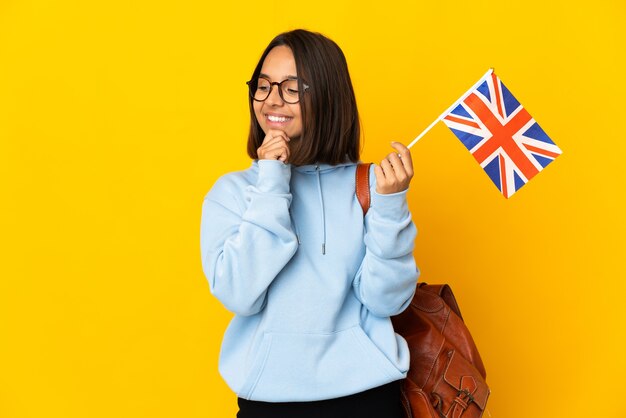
{"x":319,"y":188}
{"x":323,"y":212}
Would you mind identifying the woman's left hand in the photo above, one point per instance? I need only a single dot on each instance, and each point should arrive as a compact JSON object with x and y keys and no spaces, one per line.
{"x":395,"y":172}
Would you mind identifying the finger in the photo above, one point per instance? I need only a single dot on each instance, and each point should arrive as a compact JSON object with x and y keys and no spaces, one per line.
{"x":277,"y":144}
{"x":275,"y":136}
{"x":272,"y":143}
{"x":284,"y":150}
{"x":405,"y":155}
{"x":379,"y":173}
{"x":274,"y":133}
{"x":277,"y":151}
{"x":390,"y":176}
{"x":398,"y":166}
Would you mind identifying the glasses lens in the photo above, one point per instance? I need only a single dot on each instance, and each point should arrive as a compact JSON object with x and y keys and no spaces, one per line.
{"x":260,"y":89}
{"x":290,"y":91}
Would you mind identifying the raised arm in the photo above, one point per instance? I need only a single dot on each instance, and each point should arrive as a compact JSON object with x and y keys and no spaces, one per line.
{"x":246,"y":244}
{"x":386,"y":280}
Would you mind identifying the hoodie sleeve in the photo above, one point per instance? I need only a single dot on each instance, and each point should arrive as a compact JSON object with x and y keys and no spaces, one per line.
{"x":386,"y":280}
{"x":244,"y":249}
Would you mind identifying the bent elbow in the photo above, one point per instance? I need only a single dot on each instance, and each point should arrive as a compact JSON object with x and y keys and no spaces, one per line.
{"x":394,"y":302}
{"x":248,"y":309}
{"x":387,"y":310}
{"x":240,"y":303}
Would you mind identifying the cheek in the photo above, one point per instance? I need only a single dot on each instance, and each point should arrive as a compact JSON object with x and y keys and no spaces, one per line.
{"x":297,"y":113}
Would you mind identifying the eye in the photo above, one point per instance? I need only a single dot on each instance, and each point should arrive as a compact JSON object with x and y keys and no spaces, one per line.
{"x":291,"y":87}
{"x":263,"y":84}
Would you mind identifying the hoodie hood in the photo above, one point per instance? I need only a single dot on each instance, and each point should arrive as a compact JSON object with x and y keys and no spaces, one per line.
{"x":317,"y":170}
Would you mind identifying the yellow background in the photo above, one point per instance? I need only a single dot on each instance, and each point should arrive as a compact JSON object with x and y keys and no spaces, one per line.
{"x":116,"y":118}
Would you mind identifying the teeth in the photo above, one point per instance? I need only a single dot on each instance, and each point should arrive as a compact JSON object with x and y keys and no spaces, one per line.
{"x":277,"y":118}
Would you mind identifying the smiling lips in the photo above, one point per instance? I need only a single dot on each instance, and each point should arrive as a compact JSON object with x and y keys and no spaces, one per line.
{"x":278,"y":119}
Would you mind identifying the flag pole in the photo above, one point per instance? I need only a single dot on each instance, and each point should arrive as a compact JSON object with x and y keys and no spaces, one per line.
{"x":455,"y":104}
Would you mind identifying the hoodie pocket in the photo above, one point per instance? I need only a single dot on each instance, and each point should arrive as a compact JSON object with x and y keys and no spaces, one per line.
{"x":291,"y":367}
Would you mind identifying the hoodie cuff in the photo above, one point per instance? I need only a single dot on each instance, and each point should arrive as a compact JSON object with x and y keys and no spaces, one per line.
{"x":393,"y":206}
{"x":274,"y":176}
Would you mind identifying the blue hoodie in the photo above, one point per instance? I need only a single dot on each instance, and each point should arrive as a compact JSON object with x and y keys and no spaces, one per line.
{"x":311,"y":283}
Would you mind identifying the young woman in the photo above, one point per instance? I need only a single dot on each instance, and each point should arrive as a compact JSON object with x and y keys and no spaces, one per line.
{"x":285,"y":247}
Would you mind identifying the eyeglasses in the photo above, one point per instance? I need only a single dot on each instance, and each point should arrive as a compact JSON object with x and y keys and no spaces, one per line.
{"x":288,"y":89}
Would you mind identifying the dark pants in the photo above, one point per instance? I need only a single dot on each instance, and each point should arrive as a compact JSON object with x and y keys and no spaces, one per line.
{"x":380,"y":402}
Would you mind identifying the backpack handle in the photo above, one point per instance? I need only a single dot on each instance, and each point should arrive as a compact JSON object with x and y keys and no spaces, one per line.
{"x":363,"y":185}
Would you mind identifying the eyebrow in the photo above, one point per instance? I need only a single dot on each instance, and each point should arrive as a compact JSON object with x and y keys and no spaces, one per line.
{"x":289,"y":77}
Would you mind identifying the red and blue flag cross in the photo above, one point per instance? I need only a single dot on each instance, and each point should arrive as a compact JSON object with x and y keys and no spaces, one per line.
{"x":505,"y":127}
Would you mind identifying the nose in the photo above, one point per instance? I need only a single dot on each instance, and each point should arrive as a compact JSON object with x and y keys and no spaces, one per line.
{"x":274,"y":98}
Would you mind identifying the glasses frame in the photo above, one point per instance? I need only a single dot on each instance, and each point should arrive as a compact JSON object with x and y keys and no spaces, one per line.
{"x":301,"y":82}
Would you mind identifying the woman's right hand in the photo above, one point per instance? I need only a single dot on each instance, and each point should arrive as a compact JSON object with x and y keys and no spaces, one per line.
{"x":275,"y":146}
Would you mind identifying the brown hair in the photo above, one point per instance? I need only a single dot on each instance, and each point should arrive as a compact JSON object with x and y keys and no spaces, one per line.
{"x":330,"y":119}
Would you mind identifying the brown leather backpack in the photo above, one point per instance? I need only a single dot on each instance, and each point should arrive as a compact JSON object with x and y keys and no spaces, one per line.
{"x":446,"y":377}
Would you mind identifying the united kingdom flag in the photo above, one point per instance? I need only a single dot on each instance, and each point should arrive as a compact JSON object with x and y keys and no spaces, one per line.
{"x":505,"y":140}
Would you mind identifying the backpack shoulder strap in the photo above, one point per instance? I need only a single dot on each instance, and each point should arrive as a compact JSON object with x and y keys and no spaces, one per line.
{"x":363,"y":185}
